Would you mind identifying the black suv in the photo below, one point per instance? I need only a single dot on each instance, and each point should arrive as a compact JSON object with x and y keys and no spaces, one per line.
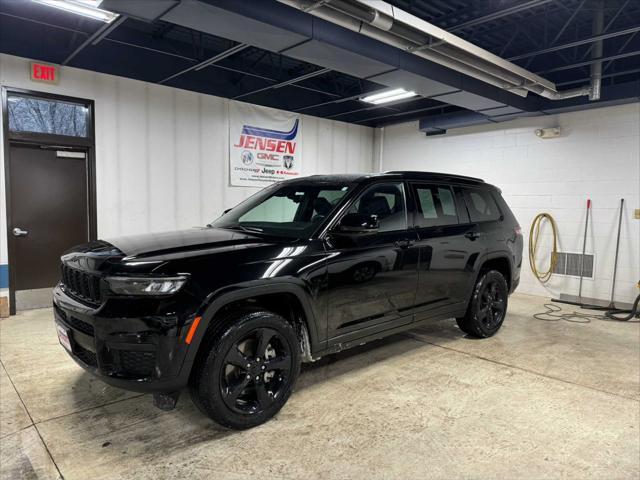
{"x":302,"y":269}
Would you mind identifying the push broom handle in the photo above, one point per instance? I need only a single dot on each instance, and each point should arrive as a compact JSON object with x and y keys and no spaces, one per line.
{"x":584,"y":248}
{"x":615,"y":261}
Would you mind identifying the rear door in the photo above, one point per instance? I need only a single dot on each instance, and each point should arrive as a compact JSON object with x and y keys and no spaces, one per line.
{"x":449,"y":247}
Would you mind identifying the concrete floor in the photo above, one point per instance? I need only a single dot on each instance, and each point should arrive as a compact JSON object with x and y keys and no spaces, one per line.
{"x":539,"y":400}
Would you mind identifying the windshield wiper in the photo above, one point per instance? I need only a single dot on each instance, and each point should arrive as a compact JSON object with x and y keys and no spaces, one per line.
{"x":245,"y":229}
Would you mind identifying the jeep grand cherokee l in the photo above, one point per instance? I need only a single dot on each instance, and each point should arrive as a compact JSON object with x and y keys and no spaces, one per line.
{"x":302,"y":269}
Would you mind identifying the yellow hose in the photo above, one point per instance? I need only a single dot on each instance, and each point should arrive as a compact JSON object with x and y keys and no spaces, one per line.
{"x":533,"y":246}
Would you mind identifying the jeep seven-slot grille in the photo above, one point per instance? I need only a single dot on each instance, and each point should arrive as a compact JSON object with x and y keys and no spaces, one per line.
{"x":82,"y":285}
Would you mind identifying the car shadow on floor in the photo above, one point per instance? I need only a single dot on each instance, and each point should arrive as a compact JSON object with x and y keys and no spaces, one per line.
{"x":343,"y":364}
{"x":380,"y":351}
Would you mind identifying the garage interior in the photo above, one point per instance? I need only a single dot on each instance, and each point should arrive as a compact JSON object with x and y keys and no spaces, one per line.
{"x":538,"y":97}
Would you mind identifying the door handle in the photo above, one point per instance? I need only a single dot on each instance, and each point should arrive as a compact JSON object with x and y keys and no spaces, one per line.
{"x":18,"y":232}
{"x":472,"y":235}
{"x":406,"y":243}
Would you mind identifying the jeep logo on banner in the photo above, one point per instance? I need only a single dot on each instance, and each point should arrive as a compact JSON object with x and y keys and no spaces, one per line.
{"x":264,"y":145}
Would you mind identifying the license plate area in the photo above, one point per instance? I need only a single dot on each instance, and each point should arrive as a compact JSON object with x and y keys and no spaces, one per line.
{"x":63,"y":337}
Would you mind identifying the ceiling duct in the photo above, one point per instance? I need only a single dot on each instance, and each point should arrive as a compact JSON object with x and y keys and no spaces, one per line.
{"x":385,"y":23}
{"x":596,"y":52}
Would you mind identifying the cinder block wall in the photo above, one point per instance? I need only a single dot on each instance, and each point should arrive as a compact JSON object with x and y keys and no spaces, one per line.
{"x":597,"y":157}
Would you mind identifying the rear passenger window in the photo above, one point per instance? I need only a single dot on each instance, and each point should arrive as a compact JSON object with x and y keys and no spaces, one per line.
{"x":436,"y":206}
{"x":481,"y":205}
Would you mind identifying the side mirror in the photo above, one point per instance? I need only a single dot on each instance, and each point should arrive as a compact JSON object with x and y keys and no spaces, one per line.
{"x":358,"y":224}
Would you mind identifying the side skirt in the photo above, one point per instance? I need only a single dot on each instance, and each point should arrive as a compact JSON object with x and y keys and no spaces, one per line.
{"x":353,"y":339}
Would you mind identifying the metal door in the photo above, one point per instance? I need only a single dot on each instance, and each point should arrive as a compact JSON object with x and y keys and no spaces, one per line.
{"x":49,"y":212}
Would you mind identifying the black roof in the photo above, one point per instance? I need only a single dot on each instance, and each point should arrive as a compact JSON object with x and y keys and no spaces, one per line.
{"x":403,"y":174}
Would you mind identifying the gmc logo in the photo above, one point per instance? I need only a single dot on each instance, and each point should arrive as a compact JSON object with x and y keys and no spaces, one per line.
{"x":268,"y":156}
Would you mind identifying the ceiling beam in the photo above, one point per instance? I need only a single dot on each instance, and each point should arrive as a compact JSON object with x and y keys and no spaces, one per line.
{"x":291,"y":81}
{"x":209,"y":62}
{"x":503,"y":12}
{"x":607,"y":26}
{"x":583,"y":41}
{"x":609,"y":75}
{"x":408,"y":112}
{"x":568,"y":22}
{"x":590,"y":62}
{"x":96,"y":37}
{"x":620,"y":50}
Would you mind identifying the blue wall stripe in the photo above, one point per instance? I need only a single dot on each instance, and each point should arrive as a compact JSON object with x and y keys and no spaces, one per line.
{"x":4,"y":276}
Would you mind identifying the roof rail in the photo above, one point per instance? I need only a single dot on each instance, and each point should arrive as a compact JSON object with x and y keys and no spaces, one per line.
{"x":437,"y":175}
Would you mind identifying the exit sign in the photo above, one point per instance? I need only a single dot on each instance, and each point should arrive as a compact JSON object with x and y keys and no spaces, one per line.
{"x":44,"y":72}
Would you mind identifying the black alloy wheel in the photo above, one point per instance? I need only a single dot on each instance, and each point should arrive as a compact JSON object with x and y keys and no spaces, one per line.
{"x":246,"y":368}
{"x":492,"y":304}
{"x":488,"y":306}
{"x":257,"y":371}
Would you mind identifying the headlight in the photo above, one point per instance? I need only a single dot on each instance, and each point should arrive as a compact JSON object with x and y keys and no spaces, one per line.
{"x":145,"y":285}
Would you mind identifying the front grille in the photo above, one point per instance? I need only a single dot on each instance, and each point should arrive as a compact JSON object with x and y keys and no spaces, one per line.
{"x":135,"y":363}
{"x":86,"y":356}
{"x":82,"y":285}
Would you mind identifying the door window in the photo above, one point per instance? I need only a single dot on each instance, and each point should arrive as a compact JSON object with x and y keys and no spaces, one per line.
{"x":387,"y":202}
{"x":436,"y":206}
{"x":481,"y":205}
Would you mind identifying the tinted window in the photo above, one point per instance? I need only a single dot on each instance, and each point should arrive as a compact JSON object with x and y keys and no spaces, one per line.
{"x":285,"y":210}
{"x":38,"y":115}
{"x":273,"y":210}
{"x":436,"y":206}
{"x":481,"y":205}
{"x":387,"y":202}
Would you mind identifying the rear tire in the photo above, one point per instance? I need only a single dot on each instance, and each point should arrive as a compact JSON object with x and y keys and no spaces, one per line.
{"x":487,"y":307}
{"x":248,"y":370}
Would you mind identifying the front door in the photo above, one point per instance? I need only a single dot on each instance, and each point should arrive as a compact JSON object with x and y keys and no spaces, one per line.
{"x":49,"y":214}
{"x":372,"y":278}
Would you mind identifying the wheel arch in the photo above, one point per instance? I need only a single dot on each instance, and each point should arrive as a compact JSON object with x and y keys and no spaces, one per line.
{"x":499,"y":261}
{"x":285,"y":299}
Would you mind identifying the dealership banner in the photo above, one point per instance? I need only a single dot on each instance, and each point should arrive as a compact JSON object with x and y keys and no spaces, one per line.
{"x":264,"y":145}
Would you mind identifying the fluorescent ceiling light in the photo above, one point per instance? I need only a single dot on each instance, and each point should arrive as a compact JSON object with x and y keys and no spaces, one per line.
{"x":86,"y":8}
{"x":388,"y":96}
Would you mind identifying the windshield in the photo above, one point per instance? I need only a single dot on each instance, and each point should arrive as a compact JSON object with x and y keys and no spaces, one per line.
{"x":285,"y":210}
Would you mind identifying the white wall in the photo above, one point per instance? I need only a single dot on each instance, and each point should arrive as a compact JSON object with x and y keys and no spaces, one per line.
{"x":162,"y":153}
{"x":597,"y":157}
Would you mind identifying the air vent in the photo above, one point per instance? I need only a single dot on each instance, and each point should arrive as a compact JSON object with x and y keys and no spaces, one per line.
{"x":570,"y":264}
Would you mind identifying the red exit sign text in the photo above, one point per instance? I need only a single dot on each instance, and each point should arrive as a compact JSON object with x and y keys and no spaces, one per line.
{"x":42,"y":72}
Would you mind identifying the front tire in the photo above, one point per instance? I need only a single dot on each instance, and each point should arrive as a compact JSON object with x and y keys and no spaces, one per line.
{"x":248,"y":370}
{"x":487,"y":307}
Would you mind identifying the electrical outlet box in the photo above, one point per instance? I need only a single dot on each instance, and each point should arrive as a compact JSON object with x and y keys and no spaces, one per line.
{"x":636,"y":214}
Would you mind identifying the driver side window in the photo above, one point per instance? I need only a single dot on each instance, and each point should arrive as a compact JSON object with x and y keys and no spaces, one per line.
{"x":387,"y":202}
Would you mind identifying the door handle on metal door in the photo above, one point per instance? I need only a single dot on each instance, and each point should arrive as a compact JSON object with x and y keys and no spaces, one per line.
{"x":472,"y":235}
{"x":405,"y":243}
{"x":18,"y":232}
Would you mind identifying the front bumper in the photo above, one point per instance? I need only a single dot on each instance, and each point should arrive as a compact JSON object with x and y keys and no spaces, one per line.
{"x":145,"y":353}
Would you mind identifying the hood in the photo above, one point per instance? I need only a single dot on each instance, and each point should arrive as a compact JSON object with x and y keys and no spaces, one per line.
{"x":156,"y":244}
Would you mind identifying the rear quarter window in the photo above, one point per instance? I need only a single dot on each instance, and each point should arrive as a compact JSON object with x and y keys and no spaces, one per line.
{"x":481,"y":205}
